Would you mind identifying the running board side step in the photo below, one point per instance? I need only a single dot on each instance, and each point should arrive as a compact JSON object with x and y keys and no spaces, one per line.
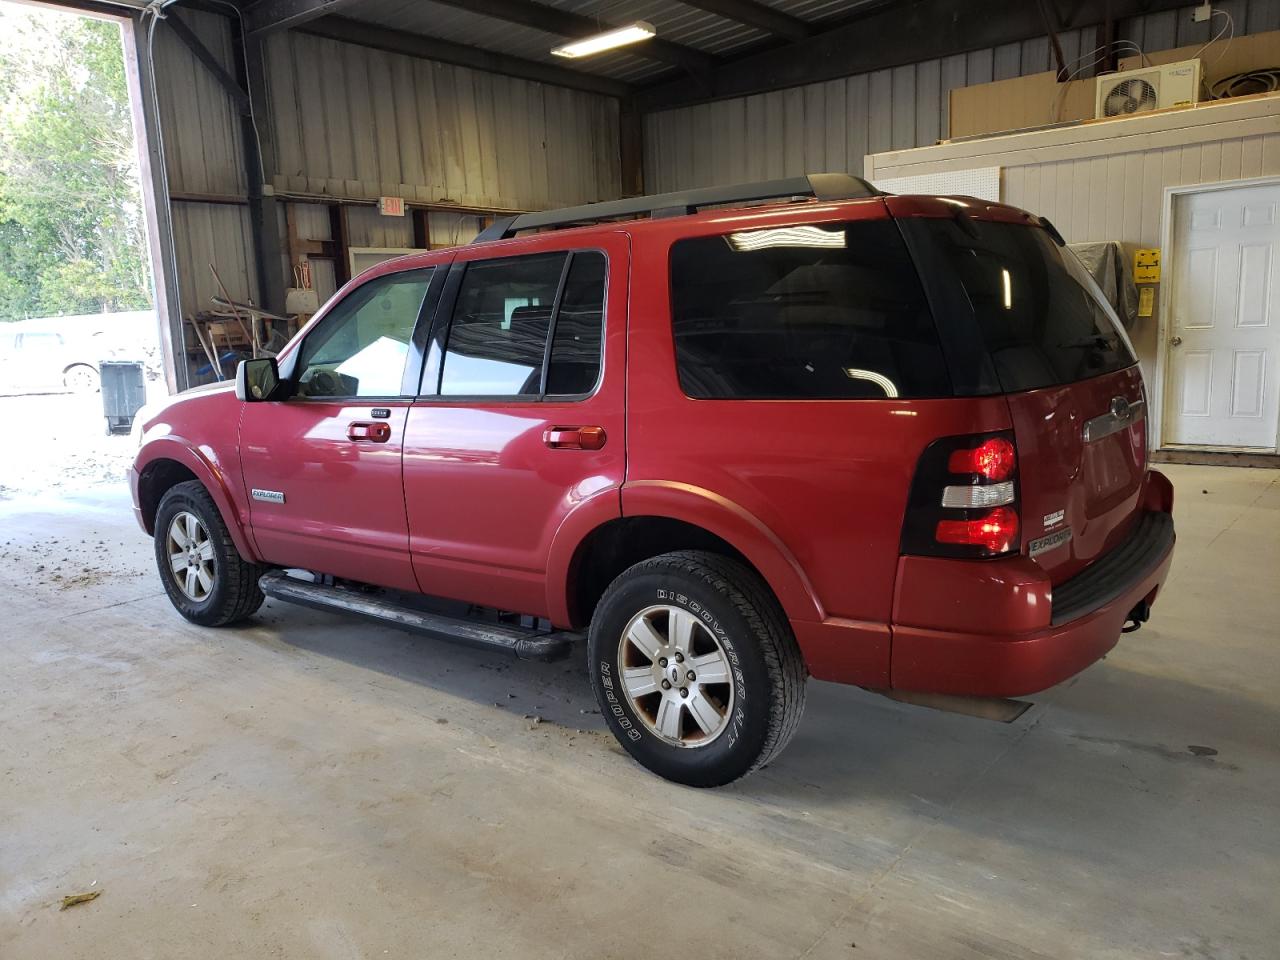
{"x":524,"y":644}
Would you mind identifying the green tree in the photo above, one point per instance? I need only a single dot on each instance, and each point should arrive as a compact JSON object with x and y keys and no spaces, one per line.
{"x":72,"y":233}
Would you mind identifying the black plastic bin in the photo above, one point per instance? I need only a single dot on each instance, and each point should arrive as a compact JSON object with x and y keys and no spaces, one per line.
{"x":124,"y":391}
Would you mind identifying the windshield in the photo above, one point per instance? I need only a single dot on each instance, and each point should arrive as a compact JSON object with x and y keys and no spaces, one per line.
{"x":1041,"y":317}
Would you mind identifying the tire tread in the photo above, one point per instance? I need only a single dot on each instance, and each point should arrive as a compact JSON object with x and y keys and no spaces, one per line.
{"x":242,"y":596}
{"x":749,"y":594}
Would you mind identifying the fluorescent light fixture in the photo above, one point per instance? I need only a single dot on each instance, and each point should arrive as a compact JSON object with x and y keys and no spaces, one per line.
{"x":879,"y":379}
{"x":802,"y":236}
{"x":600,"y":42}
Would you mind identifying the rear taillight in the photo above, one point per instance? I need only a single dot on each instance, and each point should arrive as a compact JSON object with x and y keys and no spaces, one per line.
{"x":993,"y":459}
{"x":996,"y":532}
{"x":964,"y":499}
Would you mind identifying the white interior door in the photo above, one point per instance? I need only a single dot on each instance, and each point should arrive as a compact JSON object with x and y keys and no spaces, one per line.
{"x":1224,"y":329}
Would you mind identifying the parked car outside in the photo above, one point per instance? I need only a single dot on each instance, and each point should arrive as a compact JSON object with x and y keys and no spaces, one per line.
{"x":64,"y":353}
{"x":898,"y":442}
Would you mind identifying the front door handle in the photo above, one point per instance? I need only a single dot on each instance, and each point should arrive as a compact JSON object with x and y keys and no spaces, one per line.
{"x":574,"y":438}
{"x":364,"y":432}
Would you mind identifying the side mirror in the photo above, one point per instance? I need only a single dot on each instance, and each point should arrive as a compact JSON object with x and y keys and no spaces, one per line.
{"x":258,"y":380}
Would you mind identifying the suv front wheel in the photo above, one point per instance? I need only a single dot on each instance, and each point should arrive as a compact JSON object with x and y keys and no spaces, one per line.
{"x":695,"y":668}
{"x":204,"y":575}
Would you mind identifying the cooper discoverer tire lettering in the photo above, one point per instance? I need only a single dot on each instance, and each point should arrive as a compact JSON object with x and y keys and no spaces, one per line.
{"x":695,"y":668}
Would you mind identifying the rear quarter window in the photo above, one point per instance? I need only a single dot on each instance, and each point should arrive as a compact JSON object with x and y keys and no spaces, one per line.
{"x":809,"y":312}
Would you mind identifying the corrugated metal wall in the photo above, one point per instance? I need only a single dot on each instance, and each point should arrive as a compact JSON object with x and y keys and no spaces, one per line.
{"x":355,"y":123}
{"x":203,"y":158}
{"x":831,"y":126}
{"x":359,"y":123}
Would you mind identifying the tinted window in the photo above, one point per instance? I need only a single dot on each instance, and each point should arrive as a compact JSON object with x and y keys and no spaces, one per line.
{"x":360,"y":348}
{"x":1039,"y":314}
{"x":579,"y":325}
{"x":820,"y":311}
{"x":500,"y":324}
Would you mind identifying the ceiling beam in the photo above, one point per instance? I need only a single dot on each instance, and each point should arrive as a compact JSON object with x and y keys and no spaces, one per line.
{"x":444,"y":51}
{"x":263,"y":16}
{"x":753,"y":14}
{"x":890,"y":36}
{"x":574,"y":26}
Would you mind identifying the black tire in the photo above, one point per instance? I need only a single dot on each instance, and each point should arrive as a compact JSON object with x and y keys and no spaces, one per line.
{"x":742,"y":617}
{"x":234,"y":594}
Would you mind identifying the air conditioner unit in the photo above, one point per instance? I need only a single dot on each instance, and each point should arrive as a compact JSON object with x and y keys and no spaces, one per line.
{"x":1147,"y":89}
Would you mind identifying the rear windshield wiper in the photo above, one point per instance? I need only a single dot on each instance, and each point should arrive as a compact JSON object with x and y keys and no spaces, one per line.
{"x":1091,"y":343}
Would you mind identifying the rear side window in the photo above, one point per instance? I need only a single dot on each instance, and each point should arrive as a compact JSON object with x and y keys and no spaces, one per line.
{"x":1038,"y":311}
{"x":810,"y":312}
{"x":509,"y":311}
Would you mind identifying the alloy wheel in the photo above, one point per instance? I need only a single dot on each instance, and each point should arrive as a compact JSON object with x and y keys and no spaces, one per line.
{"x":676,"y":676}
{"x":190,"y":550}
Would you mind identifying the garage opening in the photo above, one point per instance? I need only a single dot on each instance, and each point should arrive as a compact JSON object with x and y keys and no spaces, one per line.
{"x":79,"y":339}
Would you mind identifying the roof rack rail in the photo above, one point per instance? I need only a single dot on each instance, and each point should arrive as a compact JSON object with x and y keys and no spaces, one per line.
{"x":820,"y":186}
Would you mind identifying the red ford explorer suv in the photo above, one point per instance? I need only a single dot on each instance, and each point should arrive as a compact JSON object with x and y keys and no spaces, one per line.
{"x":898,"y":442}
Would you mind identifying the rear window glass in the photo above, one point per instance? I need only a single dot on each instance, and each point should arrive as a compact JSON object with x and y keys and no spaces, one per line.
{"x":810,"y":312}
{"x":1039,"y":314}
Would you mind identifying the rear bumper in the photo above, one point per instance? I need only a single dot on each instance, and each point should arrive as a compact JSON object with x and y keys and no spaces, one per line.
{"x":1084,"y":617}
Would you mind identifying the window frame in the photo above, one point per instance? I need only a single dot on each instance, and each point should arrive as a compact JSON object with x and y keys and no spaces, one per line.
{"x":414,"y":358}
{"x":442,"y":323}
{"x":845,"y":220}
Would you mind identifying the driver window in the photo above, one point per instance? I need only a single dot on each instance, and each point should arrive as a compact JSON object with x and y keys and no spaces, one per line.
{"x":360,"y":349}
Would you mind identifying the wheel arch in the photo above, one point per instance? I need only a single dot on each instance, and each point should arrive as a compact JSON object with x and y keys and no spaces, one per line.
{"x":170,"y":462}
{"x":659,"y":517}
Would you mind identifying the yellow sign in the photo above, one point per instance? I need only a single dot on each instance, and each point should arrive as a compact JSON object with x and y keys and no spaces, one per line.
{"x":1146,"y":301}
{"x":1146,"y":265}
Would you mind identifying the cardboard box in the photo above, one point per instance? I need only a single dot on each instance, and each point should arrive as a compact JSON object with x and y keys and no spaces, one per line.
{"x":1256,"y":52}
{"x":1036,"y":100}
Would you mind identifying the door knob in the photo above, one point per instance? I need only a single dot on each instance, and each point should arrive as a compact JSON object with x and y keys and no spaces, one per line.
{"x":1176,"y":340}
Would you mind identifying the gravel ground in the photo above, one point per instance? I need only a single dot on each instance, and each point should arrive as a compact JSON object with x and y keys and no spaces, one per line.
{"x":64,"y":444}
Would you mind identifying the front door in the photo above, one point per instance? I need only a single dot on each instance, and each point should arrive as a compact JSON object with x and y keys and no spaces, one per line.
{"x":323,"y":467}
{"x":1224,"y":330}
{"x":521,"y":419}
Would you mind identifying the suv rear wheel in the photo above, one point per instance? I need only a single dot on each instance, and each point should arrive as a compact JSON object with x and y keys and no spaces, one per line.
{"x":204,"y":575}
{"x":695,"y":668}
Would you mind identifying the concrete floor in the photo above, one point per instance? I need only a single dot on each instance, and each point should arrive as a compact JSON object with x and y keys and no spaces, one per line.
{"x":309,"y":787}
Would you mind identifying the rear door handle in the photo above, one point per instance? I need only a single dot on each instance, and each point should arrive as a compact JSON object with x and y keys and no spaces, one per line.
{"x":574,"y":438}
{"x":363,"y":431}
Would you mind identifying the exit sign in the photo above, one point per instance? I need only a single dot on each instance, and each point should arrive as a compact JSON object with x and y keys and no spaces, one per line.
{"x":391,"y":206}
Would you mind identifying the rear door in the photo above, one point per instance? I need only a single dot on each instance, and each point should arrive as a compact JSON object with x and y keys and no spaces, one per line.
{"x":520,"y":419}
{"x":1070,"y":377}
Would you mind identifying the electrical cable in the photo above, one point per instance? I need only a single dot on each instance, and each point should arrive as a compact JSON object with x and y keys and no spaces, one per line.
{"x":1229,"y":25}
{"x":1105,"y":50}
